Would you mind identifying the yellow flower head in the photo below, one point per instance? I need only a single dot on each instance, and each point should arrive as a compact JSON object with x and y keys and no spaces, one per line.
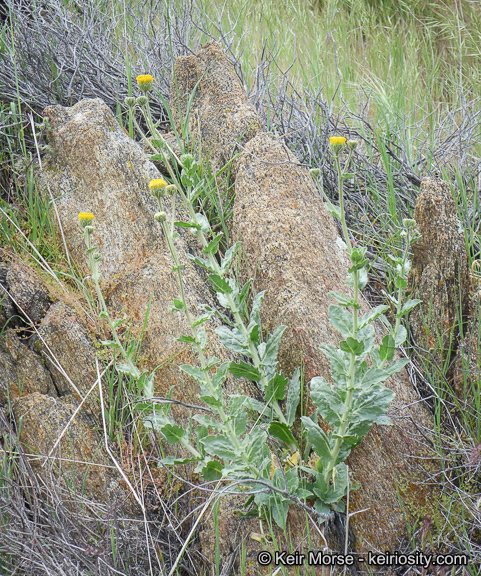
{"x":85,"y":219}
{"x":145,"y":81}
{"x":337,"y":140}
{"x":337,"y":144}
{"x":157,"y":187}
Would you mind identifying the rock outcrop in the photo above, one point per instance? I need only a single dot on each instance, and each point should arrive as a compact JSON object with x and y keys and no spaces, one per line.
{"x":290,"y":245}
{"x":221,"y":119}
{"x":79,"y":459}
{"x":97,"y":168}
{"x":28,"y":291}
{"x":440,"y":273}
{"x":22,"y":371}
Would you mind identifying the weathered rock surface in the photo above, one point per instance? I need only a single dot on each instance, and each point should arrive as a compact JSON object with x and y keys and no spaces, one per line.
{"x":99,"y":169}
{"x":221,"y":118}
{"x":28,"y":291}
{"x":7,"y":308}
{"x":440,"y":275}
{"x":80,"y":460}
{"x":466,"y":369}
{"x":69,"y":355}
{"x":290,"y":245}
{"x":21,"y":370}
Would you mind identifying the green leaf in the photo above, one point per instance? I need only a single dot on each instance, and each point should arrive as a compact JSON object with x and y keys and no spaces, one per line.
{"x":341,"y":320}
{"x":384,"y":420}
{"x":220,"y":374}
{"x":400,"y":282}
{"x":211,"y":401}
{"x":401,"y":336}
{"x":352,"y":346}
{"x":275,"y":389}
{"x":256,"y":307}
{"x":219,"y":284}
{"x":202,"y":318}
{"x":213,"y":245}
{"x":256,"y":444}
{"x":293,"y":397}
{"x":202,"y":262}
{"x":244,"y":370}
{"x":328,"y":401}
{"x":339,"y":363}
{"x":373,"y":377}
{"x":227,"y":259}
{"x":196,"y":373}
{"x":178,"y":304}
{"x":269,"y":355}
{"x":187,"y":339}
{"x":283,"y":433}
{"x":126,"y":369}
{"x":343,"y":300}
{"x":372,"y":315}
{"x":190,"y":224}
{"x":253,"y":332}
{"x":348,"y":176}
{"x":172,"y":433}
{"x":317,"y":438}
{"x":218,"y":445}
{"x":233,"y":339}
{"x":202,"y":223}
{"x":409,"y":305}
{"x":386,"y":350}
{"x":397,"y":366}
{"x":240,"y":423}
{"x":208,"y":421}
{"x":333,"y":209}
{"x":212,"y":471}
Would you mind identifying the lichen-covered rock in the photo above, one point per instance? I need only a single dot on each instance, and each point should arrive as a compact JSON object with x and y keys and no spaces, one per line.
{"x":28,"y":291}
{"x":7,"y":308}
{"x":21,"y":370}
{"x":221,"y":119}
{"x":466,"y":368}
{"x":440,"y":275}
{"x":80,"y":459}
{"x":97,"y":168}
{"x":69,"y":354}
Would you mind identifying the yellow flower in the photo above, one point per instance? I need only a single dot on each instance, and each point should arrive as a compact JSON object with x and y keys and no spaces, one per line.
{"x":336,"y":140}
{"x":337,"y":145}
{"x":85,"y":218}
{"x":158,"y":187}
{"x":145,"y":82}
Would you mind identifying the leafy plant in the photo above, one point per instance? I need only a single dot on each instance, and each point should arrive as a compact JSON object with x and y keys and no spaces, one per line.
{"x":222,"y":444}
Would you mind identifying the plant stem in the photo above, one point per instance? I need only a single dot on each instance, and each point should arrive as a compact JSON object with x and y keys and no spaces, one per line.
{"x":93,"y":265}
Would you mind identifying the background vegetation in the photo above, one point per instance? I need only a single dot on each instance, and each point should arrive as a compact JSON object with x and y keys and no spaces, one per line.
{"x":401,"y":76}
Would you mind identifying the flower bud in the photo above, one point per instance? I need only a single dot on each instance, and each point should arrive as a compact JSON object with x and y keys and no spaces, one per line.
{"x":352,"y":144}
{"x":187,"y":160}
{"x":97,"y":257}
{"x":130,"y":101}
{"x":142,"y":100}
{"x":409,"y":223}
{"x":314,"y":172}
{"x":160,"y":217}
{"x":171,"y":189}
